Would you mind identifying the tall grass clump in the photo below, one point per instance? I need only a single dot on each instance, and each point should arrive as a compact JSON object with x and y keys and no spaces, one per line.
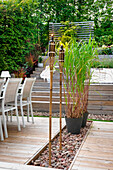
{"x":78,"y":61}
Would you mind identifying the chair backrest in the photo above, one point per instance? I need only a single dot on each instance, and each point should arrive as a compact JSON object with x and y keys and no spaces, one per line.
{"x":27,"y":87}
{"x":11,"y":91}
{"x":1,"y":85}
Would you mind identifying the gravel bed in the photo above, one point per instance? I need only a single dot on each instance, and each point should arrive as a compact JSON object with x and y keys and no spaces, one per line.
{"x":61,"y":159}
{"x":100,"y":117}
{"x":90,"y":116}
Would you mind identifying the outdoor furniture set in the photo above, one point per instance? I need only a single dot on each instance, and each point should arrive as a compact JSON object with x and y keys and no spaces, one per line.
{"x":13,"y":94}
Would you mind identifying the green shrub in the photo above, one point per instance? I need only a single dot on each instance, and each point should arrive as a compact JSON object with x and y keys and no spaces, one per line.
{"x":67,"y":32}
{"x":40,"y":59}
{"x":18,"y":30}
{"x":106,"y":40}
{"x":105,"y":63}
{"x":105,"y":50}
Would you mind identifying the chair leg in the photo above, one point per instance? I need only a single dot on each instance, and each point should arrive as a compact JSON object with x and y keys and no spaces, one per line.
{"x":22,"y":113}
{"x":4,"y":121}
{"x":19,"y":129}
{"x":5,"y":126}
{"x":7,"y":115}
{"x":1,"y":131}
{"x":11,"y":116}
{"x":27,"y":110}
{"x":31,"y":112}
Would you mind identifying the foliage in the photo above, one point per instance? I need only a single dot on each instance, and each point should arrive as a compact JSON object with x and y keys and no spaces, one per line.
{"x":30,"y":60}
{"x":3,"y":65}
{"x":105,"y":40}
{"x":102,"y":14}
{"x":105,"y":50}
{"x":68,"y":31}
{"x":18,"y":30}
{"x":40,"y":59}
{"x":77,"y":64}
{"x":24,"y":25}
{"x":20,"y":73}
{"x":99,"y":11}
{"x":56,"y":11}
{"x":104,"y":63}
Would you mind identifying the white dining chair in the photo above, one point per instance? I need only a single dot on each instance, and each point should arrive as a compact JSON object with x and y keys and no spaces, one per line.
{"x":25,"y":98}
{"x":10,"y":95}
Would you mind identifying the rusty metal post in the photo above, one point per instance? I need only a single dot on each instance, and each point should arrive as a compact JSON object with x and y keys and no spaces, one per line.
{"x":52,"y":57}
{"x":61,"y":61}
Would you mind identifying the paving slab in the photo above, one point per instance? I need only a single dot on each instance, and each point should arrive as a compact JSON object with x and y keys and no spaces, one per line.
{"x":102,"y":75}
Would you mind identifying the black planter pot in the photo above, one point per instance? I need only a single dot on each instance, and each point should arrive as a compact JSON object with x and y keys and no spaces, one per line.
{"x":34,"y":68}
{"x":27,"y":74}
{"x":73,"y":125}
{"x":31,"y":71}
{"x":85,"y":116}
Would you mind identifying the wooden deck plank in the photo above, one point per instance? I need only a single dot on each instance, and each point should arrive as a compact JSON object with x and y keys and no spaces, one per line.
{"x":21,"y":146}
{"x":97,"y":150}
{"x":15,"y":166}
{"x":94,"y":162}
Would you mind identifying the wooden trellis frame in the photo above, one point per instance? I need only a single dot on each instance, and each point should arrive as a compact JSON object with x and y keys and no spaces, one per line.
{"x":86,"y":29}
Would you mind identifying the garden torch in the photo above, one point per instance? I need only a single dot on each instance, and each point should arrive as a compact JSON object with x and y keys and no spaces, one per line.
{"x":61,"y":62}
{"x":51,"y":57}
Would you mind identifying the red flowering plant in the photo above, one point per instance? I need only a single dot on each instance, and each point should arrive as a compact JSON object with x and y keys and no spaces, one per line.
{"x":30,"y":60}
{"x":21,"y":73}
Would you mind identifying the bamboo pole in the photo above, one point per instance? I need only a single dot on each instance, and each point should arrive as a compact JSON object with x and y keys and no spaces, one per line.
{"x":51,"y":55}
{"x":60,"y":110}
{"x":61,"y":60}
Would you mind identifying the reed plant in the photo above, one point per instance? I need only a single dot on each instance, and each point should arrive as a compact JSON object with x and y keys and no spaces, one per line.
{"x":78,"y":61}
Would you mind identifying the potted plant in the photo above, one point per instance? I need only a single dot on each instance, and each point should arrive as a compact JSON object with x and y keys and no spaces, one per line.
{"x":78,"y":60}
{"x":40,"y":64}
{"x":30,"y":63}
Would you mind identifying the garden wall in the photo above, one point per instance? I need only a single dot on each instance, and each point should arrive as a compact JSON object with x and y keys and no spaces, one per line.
{"x":105,"y":57}
{"x":100,"y":98}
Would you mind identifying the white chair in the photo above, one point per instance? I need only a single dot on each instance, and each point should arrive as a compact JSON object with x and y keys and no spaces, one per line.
{"x":46,"y":73}
{"x":10,"y":95}
{"x":25,"y":98}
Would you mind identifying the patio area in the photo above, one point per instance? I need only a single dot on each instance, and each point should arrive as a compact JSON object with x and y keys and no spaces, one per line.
{"x":95,"y":152}
{"x":19,"y":147}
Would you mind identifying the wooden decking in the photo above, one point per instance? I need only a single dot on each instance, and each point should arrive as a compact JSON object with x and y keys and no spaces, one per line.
{"x":19,"y":147}
{"x":13,"y":166}
{"x":97,"y":150}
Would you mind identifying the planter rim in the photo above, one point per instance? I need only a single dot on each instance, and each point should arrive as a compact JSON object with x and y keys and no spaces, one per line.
{"x":74,"y":117}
